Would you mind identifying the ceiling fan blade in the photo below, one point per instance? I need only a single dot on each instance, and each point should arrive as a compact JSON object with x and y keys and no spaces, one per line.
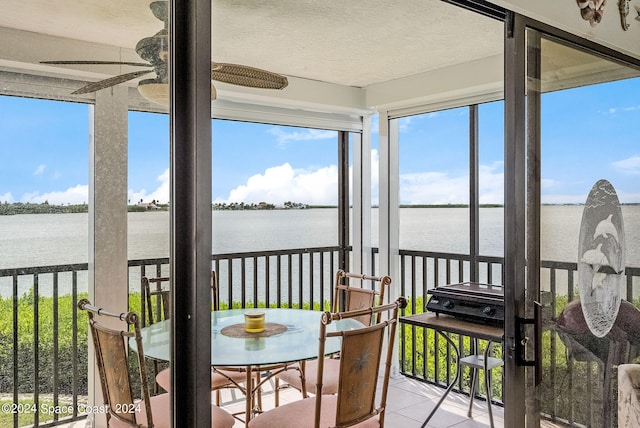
{"x":106,"y":83}
{"x":137,"y":64}
{"x":243,"y":75}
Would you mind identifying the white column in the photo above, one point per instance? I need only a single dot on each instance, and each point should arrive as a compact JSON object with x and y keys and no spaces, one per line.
{"x":108,"y":279}
{"x":361,"y":192}
{"x":389,"y":211}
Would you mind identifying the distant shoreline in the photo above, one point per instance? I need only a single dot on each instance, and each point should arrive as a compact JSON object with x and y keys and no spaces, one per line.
{"x":46,"y":208}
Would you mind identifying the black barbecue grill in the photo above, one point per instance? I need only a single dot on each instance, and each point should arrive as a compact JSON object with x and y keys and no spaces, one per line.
{"x":471,"y":301}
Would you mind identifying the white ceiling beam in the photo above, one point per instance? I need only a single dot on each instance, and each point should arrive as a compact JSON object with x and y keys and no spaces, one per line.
{"x":476,"y":81}
{"x":23,"y":51}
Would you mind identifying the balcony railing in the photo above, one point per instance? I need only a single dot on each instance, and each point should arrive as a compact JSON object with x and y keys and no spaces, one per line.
{"x":43,"y":346}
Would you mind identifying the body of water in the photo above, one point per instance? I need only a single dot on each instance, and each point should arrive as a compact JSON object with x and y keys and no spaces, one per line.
{"x":52,"y":239}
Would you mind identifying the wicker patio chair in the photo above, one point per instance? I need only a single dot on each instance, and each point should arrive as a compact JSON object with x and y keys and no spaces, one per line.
{"x":347,"y":297}
{"x":111,"y":356}
{"x":357,"y":403}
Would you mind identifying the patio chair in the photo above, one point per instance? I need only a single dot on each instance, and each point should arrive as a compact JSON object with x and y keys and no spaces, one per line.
{"x":220,"y":379}
{"x":357,"y":402}
{"x":112,"y":359}
{"x":347,"y":297}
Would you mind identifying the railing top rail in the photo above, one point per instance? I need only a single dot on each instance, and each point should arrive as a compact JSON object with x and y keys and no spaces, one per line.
{"x":274,"y":252}
{"x":43,"y":269}
{"x":451,"y":256}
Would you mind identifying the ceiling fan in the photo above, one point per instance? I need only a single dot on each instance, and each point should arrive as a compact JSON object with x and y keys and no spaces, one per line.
{"x":155,"y":50}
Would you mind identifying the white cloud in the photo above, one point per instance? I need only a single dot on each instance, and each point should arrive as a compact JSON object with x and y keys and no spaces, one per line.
{"x":615,"y":110}
{"x":442,"y":188}
{"x":548,"y":183}
{"x":160,"y":194}
{"x":7,"y":197}
{"x":40,"y":169}
{"x":630,"y":165}
{"x":433,"y":188}
{"x":284,"y":137}
{"x":283,"y":183}
{"x":78,"y":194}
{"x":491,"y":182}
{"x":404,"y":123}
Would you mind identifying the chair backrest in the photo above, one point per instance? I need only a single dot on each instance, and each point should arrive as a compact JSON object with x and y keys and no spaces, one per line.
{"x":154,"y":292}
{"x":215,"y":291}
{"x":349,"y":297}
{"x":360,"y":357}
{"x":157,"y":299}
{"x":113,"y":365}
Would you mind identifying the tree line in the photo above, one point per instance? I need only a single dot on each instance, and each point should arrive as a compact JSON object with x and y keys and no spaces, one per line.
{"x":43,"y":208}
{"x":15,"y":208}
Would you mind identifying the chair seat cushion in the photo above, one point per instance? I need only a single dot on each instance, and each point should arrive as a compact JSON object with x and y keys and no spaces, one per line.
{"x":219,"y":379}
{"x":329,"y":378}
{"x":161,"y":410}
{"x":301,"y":414}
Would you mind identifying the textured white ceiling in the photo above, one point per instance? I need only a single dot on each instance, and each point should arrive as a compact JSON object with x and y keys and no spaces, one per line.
{"x":345,"y":42}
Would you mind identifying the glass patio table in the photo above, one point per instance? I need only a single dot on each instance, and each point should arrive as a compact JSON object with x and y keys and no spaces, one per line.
{"x":290,"y":335}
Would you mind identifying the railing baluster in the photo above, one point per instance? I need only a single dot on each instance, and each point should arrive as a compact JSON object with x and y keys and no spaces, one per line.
{"x":311,"y":272}
{"x":321,"y":297}
{"x":279,"y":280}
{"x":300,"y":280}
{"x":243,"y":283}
{"x":74,"y":340}
{"x":289,"y":280}
{"x":267,"y":282}
{"x":255,"y":281}
{"x":55,"y":344}
{"x":36,"y":349}
{"x":16,"y":382}
{"x":230,"y":281}
{"x":425,"y":285}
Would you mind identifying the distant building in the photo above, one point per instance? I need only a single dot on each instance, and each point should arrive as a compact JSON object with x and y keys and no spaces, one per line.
{"x":149,"y":207}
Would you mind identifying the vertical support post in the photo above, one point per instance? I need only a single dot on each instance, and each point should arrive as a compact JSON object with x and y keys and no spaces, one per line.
{"x":190,"y":108}
{"x":515,"y":218}
{"x":343,"y":199}
{"x":108,"y":269}
{"x":534,"y":177}
{"x":474,"y":198}
{"x":389,"y":208}
{"x":361,"y":211}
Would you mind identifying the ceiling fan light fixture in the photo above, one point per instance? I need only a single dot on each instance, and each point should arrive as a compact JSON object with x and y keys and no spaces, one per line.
{"x":155,"y":92}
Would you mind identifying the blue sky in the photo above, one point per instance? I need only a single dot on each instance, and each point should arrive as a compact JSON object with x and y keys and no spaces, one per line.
{"x":588,"y":134}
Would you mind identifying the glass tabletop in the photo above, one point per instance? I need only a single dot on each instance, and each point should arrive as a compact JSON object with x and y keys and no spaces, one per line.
{"x":298,"y":342}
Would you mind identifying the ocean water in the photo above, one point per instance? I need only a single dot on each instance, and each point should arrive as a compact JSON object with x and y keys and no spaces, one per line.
{"x":51,"y":239}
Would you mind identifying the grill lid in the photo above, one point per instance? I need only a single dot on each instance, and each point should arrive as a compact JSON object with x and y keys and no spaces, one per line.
{"x":483,"y":303}
{"x":470,"y":290}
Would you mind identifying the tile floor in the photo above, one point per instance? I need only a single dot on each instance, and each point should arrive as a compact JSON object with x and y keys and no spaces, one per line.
{"x":409,"y":403}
